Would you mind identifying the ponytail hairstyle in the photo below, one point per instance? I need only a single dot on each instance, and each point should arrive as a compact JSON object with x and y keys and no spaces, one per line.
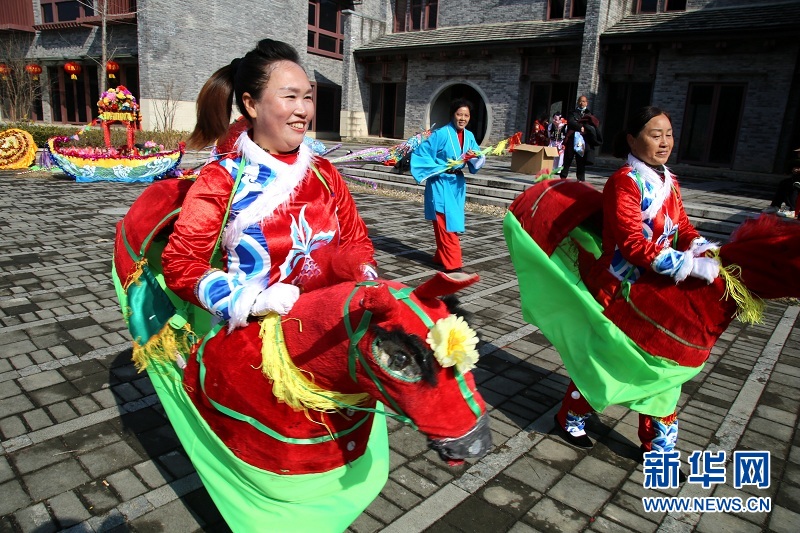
{"x":636,"y":123}
{"x":248,"y":74}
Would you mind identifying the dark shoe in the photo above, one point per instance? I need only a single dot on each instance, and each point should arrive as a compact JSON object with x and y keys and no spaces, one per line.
{"x":453,"y":270}
{"x":642,"y":451}
{"x":583,"y":442}
{"x":796,"y":184}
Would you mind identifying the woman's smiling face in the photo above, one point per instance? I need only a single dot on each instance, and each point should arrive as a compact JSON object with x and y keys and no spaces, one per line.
{"x":461,"y":118}
{"x":654,"y":143}
{"x":283,"y":113}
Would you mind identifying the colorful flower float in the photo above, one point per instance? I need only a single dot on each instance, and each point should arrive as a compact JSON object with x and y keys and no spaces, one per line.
{"x":130,"y":163}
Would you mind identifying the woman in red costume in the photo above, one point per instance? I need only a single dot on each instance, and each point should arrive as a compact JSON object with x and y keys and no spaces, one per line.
{"x":276,"y":201}
{"x":645,"y":228}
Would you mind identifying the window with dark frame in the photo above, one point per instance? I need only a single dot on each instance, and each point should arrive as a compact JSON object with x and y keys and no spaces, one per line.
{"x":325,"y":34}
{"x":415,"y":15}
{"x":578,"y":9}
{"x":647,"y":6}
{"x":65,"y":10}
{"x":555,"y":9}
{"x":675,"y":5}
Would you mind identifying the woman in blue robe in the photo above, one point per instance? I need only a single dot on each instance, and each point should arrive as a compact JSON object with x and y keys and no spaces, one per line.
{"x":445,"y":186}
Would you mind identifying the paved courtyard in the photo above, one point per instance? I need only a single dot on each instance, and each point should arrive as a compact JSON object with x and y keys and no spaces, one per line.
{"x":86,"y":445}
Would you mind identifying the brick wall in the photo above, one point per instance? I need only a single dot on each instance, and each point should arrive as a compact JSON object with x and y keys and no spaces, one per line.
{"x":496,"y":77}
{"x":767,"y":80}
{"x":461,"y":13}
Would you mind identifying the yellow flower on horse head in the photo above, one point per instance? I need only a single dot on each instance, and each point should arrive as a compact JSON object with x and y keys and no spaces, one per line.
{"x":453,"y":343}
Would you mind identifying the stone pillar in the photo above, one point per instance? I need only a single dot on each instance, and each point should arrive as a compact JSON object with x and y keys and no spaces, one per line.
{"x":358,"y":29}
{"x":600,"y":15}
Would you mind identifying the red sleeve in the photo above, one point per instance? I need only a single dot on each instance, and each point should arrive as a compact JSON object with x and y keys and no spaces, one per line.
{"x":187,"y":256}
{"x":623,"y":219}
{"x":353,"y":232}
{"x":686,"y":232}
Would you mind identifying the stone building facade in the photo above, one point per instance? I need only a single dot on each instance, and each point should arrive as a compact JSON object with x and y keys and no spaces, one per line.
{"x":728,"y":71}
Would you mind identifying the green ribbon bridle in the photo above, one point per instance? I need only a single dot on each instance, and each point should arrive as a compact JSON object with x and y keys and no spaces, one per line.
{"x":355,"y":355}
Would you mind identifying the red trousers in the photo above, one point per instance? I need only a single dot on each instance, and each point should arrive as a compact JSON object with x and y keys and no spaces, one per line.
{"x":448,"y":245}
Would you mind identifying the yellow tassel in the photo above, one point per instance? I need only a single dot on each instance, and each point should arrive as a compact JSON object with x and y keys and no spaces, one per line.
{"x":164,"y":346}
{"x":500,"y":148}
{"x":750,"y":308}
{"x":134,"y":276}
{"x":289,"y":384}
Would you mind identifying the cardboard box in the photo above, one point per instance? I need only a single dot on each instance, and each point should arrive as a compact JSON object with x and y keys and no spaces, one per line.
{"x":530,"y":159}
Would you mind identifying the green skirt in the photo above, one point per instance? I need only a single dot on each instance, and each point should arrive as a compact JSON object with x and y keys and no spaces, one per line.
{"x":606,"y":366}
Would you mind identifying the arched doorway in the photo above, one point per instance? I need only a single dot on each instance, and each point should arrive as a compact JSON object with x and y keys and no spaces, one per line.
{"x":440,"y":109}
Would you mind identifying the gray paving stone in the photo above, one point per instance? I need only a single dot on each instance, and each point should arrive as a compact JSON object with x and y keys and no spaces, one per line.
{"x":716,"y":522}
{"x":12,"y":427}
{"x":14,"y":497}
{"x":632,"y":521}
{"x":16,"y":348}
{"x":152,"y":474}
{"x":578,"y":493}
{"x":9,"y":388}
{"x":603,"y":525}
{"x":62,"y":412}
{"x":383,"y":510}
{"x":127,"y":484}
{"x":68,"y":509}
{"x":783,"y":520}
{"x":111,"y":458}
{"x":40,"y":455}
{"x":98,"y":496}
{"x":551,"y":516}
{"x":37,"y":419}
{"x":14,"y":405}
{"x":55,"y":479}
{"x":35,"y":519}
{"x":6,"y":472}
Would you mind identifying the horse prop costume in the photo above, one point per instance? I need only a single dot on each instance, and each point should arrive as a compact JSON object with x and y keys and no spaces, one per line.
{"x":279,"y":417}
{"x":554,"y":231}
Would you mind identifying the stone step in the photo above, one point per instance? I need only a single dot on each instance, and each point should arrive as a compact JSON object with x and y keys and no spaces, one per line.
{"x":714,"y":222}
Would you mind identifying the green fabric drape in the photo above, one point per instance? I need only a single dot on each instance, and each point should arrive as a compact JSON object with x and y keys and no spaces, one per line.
{"x":606,"y":365}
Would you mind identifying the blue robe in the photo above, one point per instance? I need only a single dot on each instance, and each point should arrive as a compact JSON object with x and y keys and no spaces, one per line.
{"x":445,"y":193}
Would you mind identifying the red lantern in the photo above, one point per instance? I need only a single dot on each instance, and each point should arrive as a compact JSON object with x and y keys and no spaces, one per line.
{"x":5,"y":70}
{"x":73,"y":69}
{"x":34,"y":70}
{"x":112,"y":67}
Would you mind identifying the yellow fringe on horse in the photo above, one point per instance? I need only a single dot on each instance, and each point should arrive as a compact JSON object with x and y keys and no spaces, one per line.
{"x":164,"y":346}
{"x":750,"y":308}
{"x":289,"y":384}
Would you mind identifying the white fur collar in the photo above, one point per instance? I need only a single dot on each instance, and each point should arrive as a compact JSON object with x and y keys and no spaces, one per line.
{"x":279,"y":191}
{"x":661,"y":188}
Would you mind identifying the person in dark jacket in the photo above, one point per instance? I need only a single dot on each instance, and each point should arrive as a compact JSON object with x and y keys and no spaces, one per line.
{"x":581,"y":120}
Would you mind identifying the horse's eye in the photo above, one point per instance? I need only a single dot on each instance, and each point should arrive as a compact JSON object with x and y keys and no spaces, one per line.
{"x":398,"y":361}
{"x":395,"y":360}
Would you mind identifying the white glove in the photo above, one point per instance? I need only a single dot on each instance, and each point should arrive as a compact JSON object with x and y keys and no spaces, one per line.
{"x":701,"y":246}
{"x":705,"y":268}
{"x":278,"y":298}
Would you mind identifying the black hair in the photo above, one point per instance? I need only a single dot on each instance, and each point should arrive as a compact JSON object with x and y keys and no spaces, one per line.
{"x":248,"y":74}
{"x":458,"y":103}
{"x":636,"y":123}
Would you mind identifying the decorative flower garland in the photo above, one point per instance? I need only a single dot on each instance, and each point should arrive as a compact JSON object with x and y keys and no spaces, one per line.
{"x":117,"y":100}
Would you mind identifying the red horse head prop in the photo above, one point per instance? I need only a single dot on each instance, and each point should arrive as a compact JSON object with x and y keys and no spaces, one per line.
{"x":381,"y":340}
